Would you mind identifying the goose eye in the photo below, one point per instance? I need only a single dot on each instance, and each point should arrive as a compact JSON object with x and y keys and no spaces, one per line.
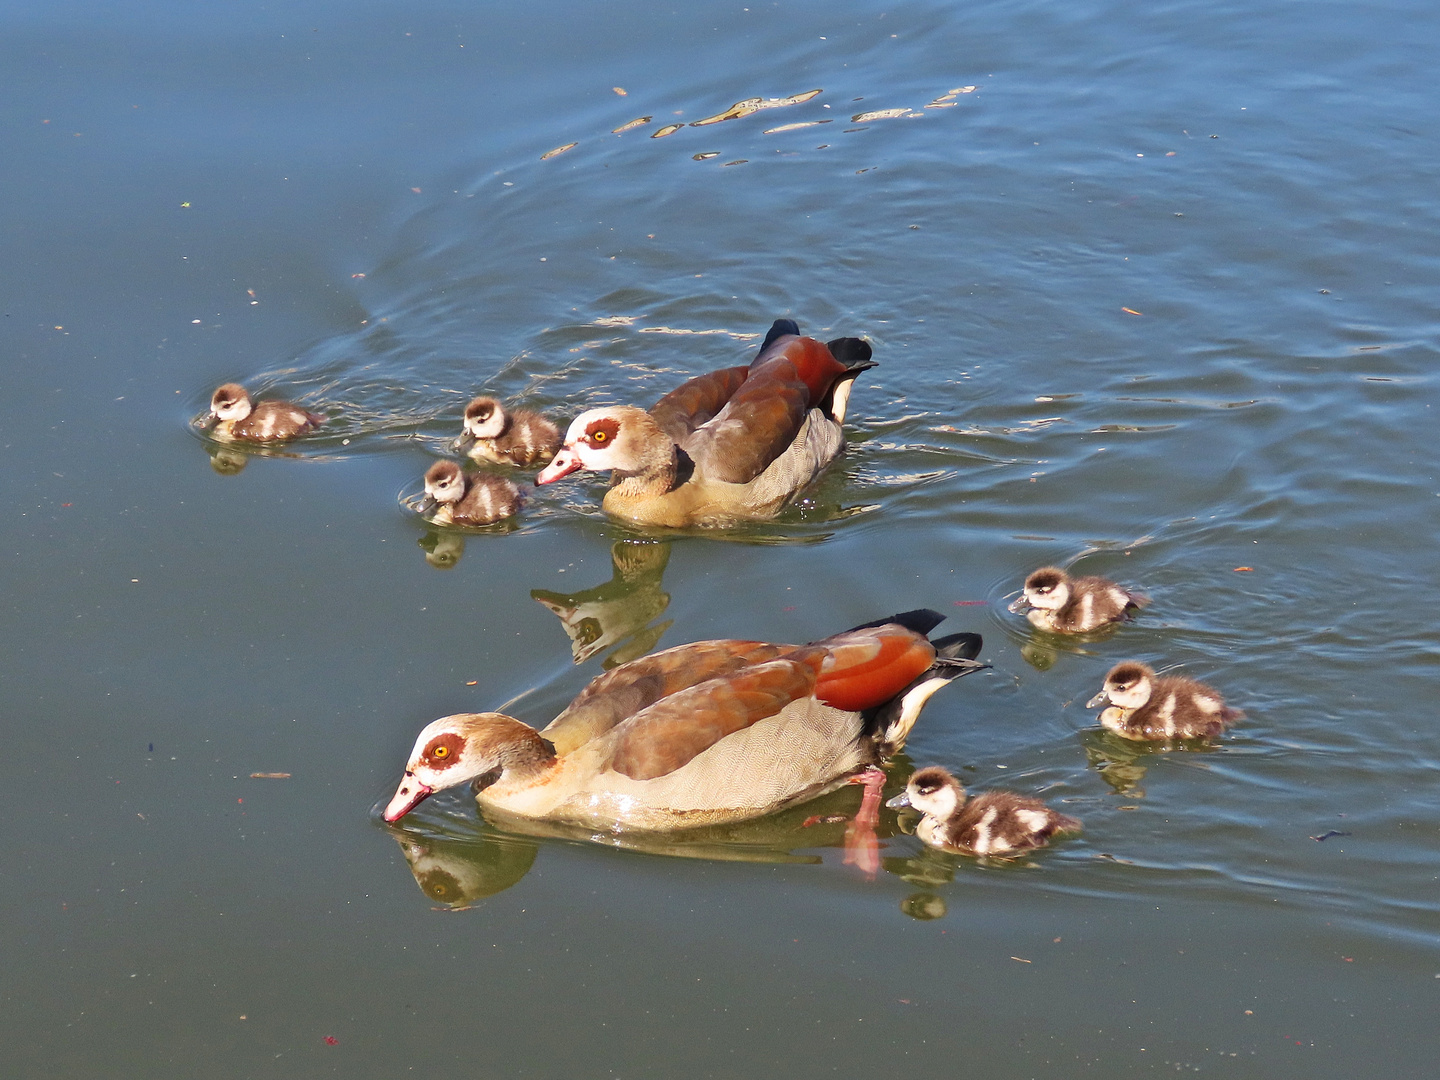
{"x":599,"y":437}
{"x":441,"y":752}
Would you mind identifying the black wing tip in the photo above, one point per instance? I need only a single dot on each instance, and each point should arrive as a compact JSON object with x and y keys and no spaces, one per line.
{"x":780,"y":328}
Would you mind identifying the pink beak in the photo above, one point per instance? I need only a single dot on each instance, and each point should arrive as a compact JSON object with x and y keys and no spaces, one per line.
{"x":566,"y":462}
{"x":409,"y":795}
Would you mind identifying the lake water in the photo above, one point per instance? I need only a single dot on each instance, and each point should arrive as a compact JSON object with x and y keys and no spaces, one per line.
{"x":1151,"y":286}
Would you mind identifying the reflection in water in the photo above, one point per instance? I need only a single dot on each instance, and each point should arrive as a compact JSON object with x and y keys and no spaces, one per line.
{"x":1120,"y":762}
{"x":442,"y":549}
{"x":457,"y":871}
{"x":226,"y":460}
{"x":457,"y":859}
{"x":617,"y":612}
{"x":1043,"y":647}
{"x":924,"y":905}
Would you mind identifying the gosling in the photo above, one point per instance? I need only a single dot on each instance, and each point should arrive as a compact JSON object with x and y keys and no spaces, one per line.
{"x":997,"y":823}
{"x":237,"y":417}
{"x":518,"y":437}
{"x":1144,"y":707}
{"x":1075,"y":605}
{"x":453,"y":498}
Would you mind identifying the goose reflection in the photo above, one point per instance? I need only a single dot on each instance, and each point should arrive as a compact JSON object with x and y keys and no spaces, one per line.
{"x":458,"y":870}
{"x":457,"y":860}
{"x":616,"y":615}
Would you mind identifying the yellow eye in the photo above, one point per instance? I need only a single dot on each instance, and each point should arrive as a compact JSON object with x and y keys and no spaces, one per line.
{"x":441,"y":752}
{"x":599,"y":437}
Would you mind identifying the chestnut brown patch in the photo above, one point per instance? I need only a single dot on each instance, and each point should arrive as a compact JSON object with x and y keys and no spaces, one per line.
{"x":443,"y":751}
{"x":602,"y":432}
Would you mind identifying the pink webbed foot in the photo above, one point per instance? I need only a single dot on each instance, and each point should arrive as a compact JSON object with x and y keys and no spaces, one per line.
{"x":862,"y":847}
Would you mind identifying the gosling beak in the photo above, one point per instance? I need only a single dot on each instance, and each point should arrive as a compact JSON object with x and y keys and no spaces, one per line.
{"x":409,"y":795}
{"x":566,"y":462}
{"x":1018,"y":605}
{"x":1099,"y":699}
{"x":899,"y":801}
{"x":464,"y":442}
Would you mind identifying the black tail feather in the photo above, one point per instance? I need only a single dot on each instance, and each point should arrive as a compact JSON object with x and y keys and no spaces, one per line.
{"x":853,"y":352}
{"x":780,"y":328}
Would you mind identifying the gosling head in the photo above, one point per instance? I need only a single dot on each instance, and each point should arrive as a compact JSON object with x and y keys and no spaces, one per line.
{"x":484,"y":418}
{"x":445,"y":482}
{"x":932,"y":791}
{"x":1128,"y":686}
{"x":230,"y":402}
{"x":1047,"y":589}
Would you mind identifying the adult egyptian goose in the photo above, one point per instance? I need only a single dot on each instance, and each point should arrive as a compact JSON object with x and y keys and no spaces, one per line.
{"x":998,"y":823}
{"x":475,"y":500}
{"x":1075,"y":605}
{"x":507,"y":437}
{"x":733,"y":445}
{"x":237,"y":417}
{"x":1155,"y":709}
{"x":701,"y":734}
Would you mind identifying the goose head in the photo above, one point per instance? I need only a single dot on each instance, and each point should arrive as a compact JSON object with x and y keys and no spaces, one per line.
{"x":230,"y":402}
{"x":618,"y":438}
{"x":467,"y":746}
{"x":1127,"y":686}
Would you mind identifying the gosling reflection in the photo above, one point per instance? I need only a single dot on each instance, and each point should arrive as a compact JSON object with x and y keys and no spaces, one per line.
{"x":442,"y":549}
{"x":1121,"y":763}
{"x":457,"y":871}
{"x":227,"y":461}
{"x":616,"y":615}
{"x":1044,"y":648}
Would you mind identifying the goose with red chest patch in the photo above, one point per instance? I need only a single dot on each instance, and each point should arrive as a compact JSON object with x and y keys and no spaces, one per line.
{"x":734,"y":445}
{"x":701,"y":734}
{"x":1149,"y":708}
{"x":507,"y":436}
{"x":1075,"y":605}
{"x":237,"y":417}
{"x":997,"y":823}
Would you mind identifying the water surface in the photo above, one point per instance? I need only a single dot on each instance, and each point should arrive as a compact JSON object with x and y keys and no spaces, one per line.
{"x":1155,"y":296}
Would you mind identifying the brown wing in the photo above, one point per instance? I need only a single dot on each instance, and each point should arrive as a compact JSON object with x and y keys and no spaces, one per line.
{"x":696,"y":402}
{"x":673,"y":731}
{"x":619,"y":694}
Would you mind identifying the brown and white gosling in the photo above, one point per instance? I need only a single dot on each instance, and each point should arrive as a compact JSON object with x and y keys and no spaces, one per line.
{"x":1143,"y":706}
{"x":481,"y":499}
{"x":997,"y":823}
{"x":514,"y":437}
{"x":1075,"y":605}
{"x":237,"y":417}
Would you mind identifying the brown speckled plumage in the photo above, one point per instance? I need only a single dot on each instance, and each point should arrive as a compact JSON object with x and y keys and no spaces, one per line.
{"x":508,"y":436}
{"x":996,"y":823}
{"x":1150,"y":708}
{"x":237,"y":417}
